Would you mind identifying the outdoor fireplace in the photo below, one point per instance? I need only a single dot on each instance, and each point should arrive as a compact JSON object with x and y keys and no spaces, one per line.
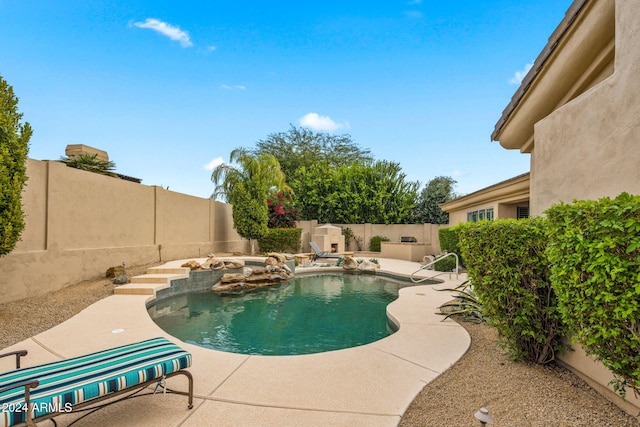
{"x":329,"y":238}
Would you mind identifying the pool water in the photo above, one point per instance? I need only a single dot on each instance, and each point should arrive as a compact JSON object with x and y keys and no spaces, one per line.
{"x":306,"y":315}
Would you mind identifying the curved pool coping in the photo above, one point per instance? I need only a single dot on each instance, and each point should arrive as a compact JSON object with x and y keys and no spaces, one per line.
{"x":368,"y":385}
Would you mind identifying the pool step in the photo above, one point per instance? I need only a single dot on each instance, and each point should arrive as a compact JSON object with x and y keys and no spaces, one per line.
{"x":184,"y":271}
{"x":140,"y":288}
{"x":157,"y":278}
{"x":148,"y":284}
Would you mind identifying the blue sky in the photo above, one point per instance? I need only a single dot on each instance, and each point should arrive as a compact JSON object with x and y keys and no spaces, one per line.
{"x":169,"y":88}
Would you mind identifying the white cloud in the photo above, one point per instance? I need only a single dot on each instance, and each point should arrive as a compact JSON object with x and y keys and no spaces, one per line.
{"x":214,"y":163}
{"x":457,"y":173}
{"x":211,"y":48}
{"x":168,"y":30}
{"x":519,"y":75}
{"x":321,"y":123}
{"x":234,"y":87}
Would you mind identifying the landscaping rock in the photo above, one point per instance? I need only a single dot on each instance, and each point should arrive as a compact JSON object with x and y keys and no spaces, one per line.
{"x":193,"y":265}
{"x":348,"y":263}
{"x":118,"y":270}
{"x":232,"y":278}
{"x":120,"y":280}
{"x":234,"y":263}
{"x":368,"y":266}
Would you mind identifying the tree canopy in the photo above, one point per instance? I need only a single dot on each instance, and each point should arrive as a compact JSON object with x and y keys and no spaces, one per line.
{"x":357,"y":193}
{"x":246,"y":186}
{"x":437,"y":191}
{"x":303,"y":147}
{"x":14,"y":146}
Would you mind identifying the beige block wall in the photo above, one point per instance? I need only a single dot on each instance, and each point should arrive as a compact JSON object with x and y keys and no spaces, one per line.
{"x":598,"y":377}
{"x":227,"y":238}
{"x":588,"y":148}
{"x":78,"y":224}
{"x":89,"y":211}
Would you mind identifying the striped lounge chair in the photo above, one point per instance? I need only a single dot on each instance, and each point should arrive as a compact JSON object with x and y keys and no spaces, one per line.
{"x":37,"y":393}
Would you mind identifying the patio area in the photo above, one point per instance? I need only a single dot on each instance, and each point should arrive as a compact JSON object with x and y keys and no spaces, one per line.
{"x":369,"y":385}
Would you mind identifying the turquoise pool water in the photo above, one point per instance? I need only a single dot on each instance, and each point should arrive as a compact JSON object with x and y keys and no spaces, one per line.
{"x":305,"y":315}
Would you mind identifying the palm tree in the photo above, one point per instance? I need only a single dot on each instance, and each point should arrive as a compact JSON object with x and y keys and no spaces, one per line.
{"x":90,"y":163}
{"x":246,"y":187}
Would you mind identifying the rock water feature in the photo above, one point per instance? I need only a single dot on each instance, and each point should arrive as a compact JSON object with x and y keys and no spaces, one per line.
{"x":213,"y":263}
{"x":274,"y":272}
{"x":349,"y":263}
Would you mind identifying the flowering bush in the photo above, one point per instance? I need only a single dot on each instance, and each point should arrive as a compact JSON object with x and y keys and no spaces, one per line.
{"x":282,"y":214}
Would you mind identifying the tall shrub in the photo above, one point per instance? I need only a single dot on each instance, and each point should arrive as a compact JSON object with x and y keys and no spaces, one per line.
{"x":14,"y":146}
{"x":375,"y":243}
{"x":449,"y":242}
{"x":281,"y":240}
{"x":594,"y":250}
{"x":509,"y":271}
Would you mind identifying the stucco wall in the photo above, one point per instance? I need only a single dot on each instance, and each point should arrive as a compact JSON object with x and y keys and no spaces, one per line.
{"x":78,"y":224}
{"x":588,"y":148}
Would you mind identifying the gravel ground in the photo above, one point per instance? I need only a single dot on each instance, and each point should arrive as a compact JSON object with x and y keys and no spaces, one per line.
{"x":516,"y":394}
{"x":26,"y":318}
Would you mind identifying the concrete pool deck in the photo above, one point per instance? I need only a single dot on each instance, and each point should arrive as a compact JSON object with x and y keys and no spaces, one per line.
{"x":370,"y":385}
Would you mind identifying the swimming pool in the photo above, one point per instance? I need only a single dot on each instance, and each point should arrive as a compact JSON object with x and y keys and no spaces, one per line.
{"x":308,"y":314}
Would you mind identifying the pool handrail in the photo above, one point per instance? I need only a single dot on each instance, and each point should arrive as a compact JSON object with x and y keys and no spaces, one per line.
{"x":424,"y":267}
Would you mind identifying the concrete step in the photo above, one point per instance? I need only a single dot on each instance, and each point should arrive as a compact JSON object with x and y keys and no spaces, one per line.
{"x":157,"y":278}
{"x":169,"y":270}
{"x":140,"y":288}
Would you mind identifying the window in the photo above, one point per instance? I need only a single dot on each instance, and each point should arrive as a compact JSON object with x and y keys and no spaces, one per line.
{"x":480,"y":215}
{"x":522,"y":212}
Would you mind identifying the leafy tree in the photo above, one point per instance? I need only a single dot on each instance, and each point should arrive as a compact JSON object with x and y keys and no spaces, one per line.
{"x":246,"y":187}
{"x":91,"y":163}
{"x":14,"y":146}
{"x":437,"y":191}
{"x":359,"y":193}
{"x":303,"y":147}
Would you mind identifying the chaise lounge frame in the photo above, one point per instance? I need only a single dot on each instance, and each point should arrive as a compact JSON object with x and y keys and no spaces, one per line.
{"x":319,"y":253}
{"x":31,"y":384}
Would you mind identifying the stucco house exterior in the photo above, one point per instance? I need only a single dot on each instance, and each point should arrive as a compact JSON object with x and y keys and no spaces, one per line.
{"x":506,"y":199}
{"x":577,"y":113}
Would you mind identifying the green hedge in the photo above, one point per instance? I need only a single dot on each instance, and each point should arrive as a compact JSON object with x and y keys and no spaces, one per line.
{"x":594,"y":250}
{"x":449,"y":242}
{"x":375,"y":243}
{"x":510,"y":274}
{"x":281,"y":240}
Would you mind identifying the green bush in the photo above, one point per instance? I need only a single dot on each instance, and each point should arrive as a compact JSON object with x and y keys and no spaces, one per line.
{"x":14,"y":146}
{"x":281,"y":240}
{"x":510,"y":274}
{"x":375,"y":243}
{"x":594,"y":250}
{"x":449,"y":242}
